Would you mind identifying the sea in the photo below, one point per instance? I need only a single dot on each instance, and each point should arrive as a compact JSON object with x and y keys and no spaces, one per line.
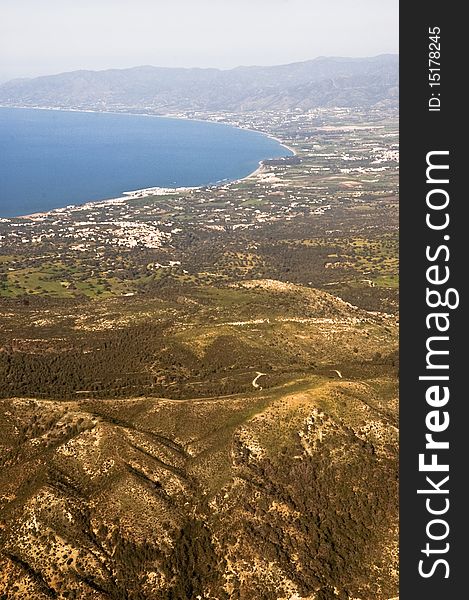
{"x":54,"y":158}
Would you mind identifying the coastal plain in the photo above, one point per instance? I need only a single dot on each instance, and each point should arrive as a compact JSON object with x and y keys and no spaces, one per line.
{"x":199,"y":386}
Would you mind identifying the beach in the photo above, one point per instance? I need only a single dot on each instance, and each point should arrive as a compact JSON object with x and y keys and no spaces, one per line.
{"x":108,"y":158}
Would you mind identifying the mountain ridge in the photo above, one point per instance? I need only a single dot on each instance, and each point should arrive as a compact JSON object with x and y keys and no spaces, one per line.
{"x":323,"y":81}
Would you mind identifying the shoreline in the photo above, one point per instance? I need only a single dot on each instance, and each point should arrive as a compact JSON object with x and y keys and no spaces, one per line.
{"x":165,"y":116}
{"x":151,"y":191}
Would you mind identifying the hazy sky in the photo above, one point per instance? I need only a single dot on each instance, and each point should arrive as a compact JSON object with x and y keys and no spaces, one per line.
{"x":49,"y":36}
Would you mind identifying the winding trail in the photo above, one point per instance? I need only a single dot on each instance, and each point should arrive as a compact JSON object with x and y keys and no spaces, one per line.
{"x":254,"y":381}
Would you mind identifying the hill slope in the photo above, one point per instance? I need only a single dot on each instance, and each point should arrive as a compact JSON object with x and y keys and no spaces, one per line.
{"x":304,"y":85}
{"x":285,"y":490}
{"x":281,"y":495}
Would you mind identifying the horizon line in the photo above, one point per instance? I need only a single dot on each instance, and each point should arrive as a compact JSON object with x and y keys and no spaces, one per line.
{"x":244,"y":66}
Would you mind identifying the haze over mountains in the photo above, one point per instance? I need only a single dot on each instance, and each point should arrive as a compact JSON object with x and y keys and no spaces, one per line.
{"x":322,"y":82}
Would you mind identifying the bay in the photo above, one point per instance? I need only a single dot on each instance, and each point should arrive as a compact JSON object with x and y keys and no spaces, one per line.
{"x":51,"y":159}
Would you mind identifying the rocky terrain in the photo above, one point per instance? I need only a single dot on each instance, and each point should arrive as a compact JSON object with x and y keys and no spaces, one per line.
{"x":285,"y":494}
{"x":286,"y":490}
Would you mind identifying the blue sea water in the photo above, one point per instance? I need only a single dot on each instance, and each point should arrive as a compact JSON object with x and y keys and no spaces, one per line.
{"x":50,"y":159}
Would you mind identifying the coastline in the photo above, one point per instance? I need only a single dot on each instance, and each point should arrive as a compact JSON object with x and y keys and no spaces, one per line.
{"x":132,"y":194}
{"x":165,"y":116}
{"x":156,"y":190}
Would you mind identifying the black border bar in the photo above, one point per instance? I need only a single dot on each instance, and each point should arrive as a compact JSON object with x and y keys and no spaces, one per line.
{"x":436,"y":517}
